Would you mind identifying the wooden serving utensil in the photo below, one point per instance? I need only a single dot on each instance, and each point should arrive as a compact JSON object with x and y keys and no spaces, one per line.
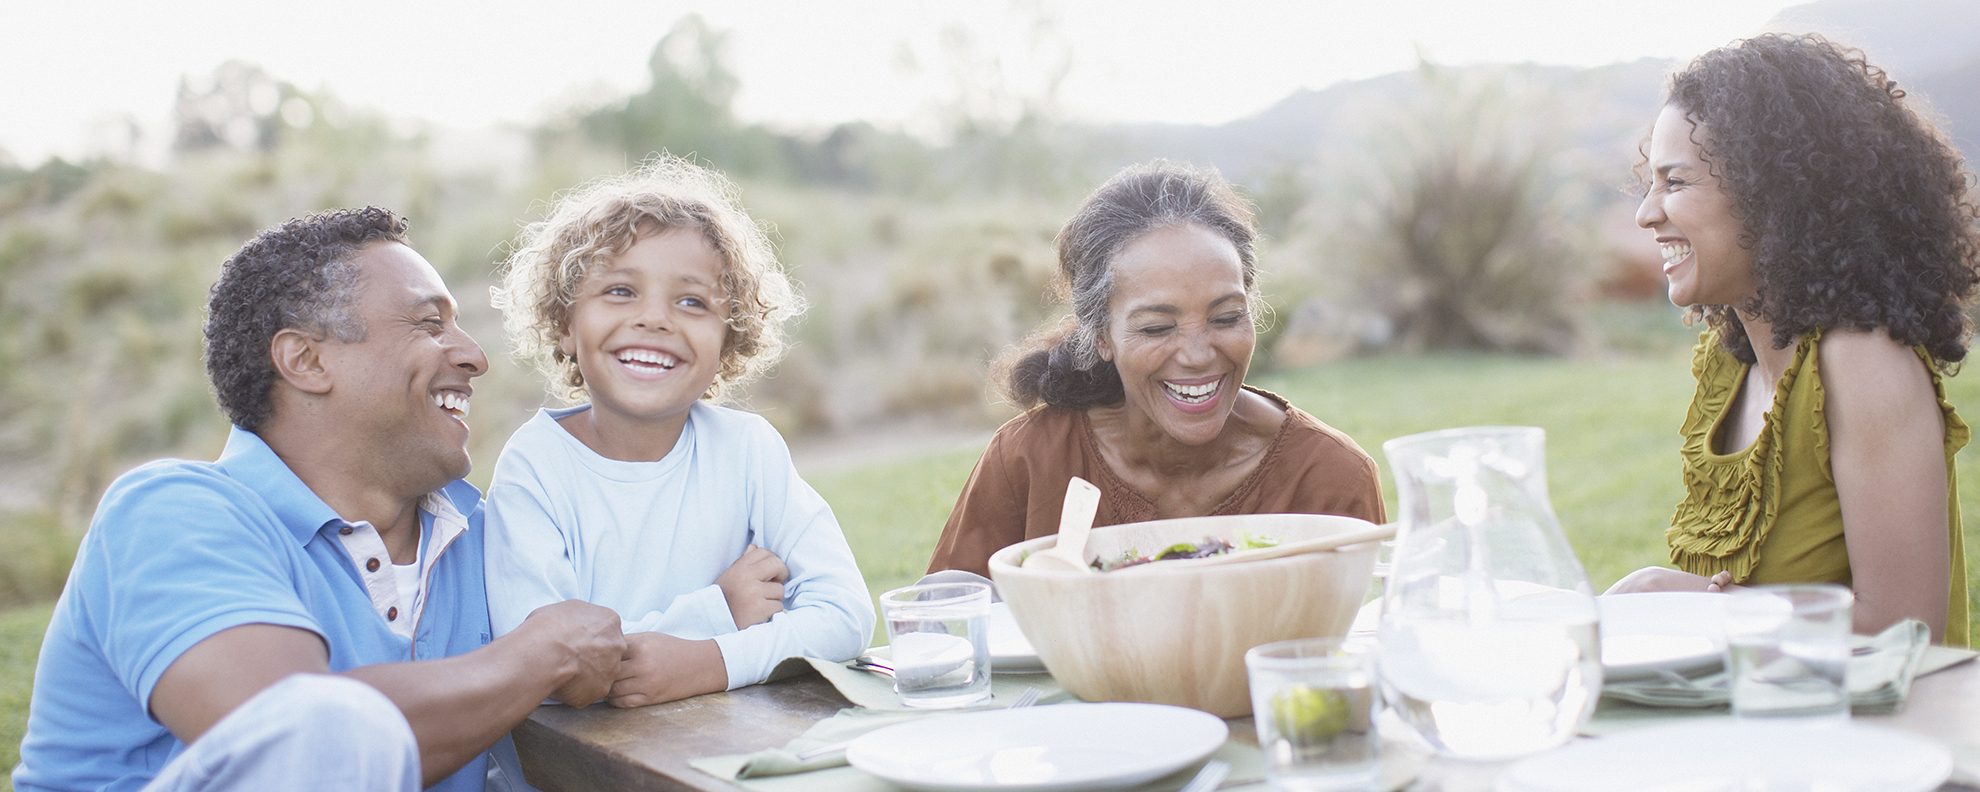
{"x":1320,"y":544}
{"x":1075,"y":522}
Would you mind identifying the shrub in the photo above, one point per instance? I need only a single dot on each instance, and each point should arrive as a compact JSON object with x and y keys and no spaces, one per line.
{"x":1466,"y":238}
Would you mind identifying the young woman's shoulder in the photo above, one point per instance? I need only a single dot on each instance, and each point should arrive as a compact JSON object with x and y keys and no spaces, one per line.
{"x":1867,"y":371}
{"x":1867,"y":352}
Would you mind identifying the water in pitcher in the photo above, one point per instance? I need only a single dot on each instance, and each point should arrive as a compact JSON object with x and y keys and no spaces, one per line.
{"x":1488,"y":635}
{"x":1495,"y":690}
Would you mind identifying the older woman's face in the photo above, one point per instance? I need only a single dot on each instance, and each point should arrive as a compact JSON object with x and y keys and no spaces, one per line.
{"x":1179,"y":330}
{"x":1690,"y":211}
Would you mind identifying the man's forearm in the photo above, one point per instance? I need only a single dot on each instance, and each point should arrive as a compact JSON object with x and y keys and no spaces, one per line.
{"x":458,"y":706}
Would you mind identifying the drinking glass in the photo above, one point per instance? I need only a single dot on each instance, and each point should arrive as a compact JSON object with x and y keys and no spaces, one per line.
{"x":938,"y":636}
{"x":1313,"y":701}
{"x":1488,"y":622}
{"x":1788,"y":649}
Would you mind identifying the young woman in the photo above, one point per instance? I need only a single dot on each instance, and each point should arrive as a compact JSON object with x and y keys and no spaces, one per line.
{"x":1827,"y":236}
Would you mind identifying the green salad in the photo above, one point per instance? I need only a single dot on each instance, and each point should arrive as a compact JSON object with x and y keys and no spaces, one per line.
{"x":1208,"y":546}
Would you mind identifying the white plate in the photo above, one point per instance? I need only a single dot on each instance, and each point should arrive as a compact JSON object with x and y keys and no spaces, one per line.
{"x":1010,"y":651}
{"x":1741,"y":756}
{"x":1039,"y":749}
{"x":1661,"y":631}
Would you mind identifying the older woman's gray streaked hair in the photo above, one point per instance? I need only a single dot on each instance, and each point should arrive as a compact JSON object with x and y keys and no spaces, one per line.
{"x":1061,"y":366}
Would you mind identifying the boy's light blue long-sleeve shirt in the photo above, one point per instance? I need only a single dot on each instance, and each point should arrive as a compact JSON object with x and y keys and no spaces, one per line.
{"x":647,"y":539}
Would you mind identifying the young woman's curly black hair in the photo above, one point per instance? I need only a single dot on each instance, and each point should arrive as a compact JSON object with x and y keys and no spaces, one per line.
{"x":1859,"y":213}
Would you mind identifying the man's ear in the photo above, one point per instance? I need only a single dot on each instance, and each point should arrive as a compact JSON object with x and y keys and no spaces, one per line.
{"x":1105,"y":348}
{"x":298,"y":361}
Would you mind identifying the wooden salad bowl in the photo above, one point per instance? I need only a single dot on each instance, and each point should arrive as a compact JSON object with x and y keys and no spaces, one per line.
{"x":1175,"y":632}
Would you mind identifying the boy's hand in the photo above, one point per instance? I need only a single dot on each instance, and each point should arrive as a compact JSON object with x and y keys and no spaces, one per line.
{"x":587,"y":640}
{"x":754,"y":586}
{"x":660,"y":667}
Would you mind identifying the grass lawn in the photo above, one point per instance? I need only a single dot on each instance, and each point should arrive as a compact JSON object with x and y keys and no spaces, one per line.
{"x":20,"y":642}
{"x":1611,"y":426}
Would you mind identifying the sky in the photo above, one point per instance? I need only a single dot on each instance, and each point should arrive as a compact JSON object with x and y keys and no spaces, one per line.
{"x":67,"y":69}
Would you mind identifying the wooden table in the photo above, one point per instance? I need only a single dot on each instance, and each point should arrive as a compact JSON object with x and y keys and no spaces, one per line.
{"x":601,"y":748}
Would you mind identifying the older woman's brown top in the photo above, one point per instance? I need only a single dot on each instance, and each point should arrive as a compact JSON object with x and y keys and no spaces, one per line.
{"x":1019,"y":485}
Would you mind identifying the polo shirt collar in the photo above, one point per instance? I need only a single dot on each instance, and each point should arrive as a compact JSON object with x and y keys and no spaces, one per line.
{"x":248,"y":460}
{"x":449,"y":520}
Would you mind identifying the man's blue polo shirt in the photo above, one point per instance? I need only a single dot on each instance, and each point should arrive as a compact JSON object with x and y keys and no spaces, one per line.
{"x":179,"y":551}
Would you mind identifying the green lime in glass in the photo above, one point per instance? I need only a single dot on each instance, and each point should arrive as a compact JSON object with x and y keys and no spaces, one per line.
{"x":1308,"y":715}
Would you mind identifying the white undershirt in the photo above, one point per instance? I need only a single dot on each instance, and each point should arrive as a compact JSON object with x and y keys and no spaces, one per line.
{"x":407,"y":576}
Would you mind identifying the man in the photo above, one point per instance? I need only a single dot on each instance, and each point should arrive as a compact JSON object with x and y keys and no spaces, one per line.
{"x":308,"y":610}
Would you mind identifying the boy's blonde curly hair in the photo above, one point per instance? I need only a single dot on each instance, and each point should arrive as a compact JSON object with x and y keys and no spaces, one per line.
{"x":595,"y":222}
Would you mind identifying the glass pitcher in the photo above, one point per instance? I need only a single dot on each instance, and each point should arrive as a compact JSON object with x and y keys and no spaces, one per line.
{"x":1488,"y":638}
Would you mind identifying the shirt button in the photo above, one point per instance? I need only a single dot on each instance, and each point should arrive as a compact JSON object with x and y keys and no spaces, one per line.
{"x":346,"y":530}
{"x":371,"y":566}
{"x":391,"y":614}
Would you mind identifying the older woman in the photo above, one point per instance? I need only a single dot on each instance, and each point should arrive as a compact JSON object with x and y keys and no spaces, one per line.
{"x":1142,"y":391}
{"x":1825,"y":233}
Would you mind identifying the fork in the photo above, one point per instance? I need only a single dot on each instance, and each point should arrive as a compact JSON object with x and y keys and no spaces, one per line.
{"x":1209,"y":777}
{"x":873,"y":664}
{"x":1024,"y":699}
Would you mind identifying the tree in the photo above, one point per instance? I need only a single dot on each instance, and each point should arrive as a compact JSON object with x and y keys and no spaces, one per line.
{"x":687,"y":107}
{"x":237,"y":106}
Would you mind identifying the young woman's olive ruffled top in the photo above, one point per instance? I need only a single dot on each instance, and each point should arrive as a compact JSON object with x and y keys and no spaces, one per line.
{"x":1769,"y":513}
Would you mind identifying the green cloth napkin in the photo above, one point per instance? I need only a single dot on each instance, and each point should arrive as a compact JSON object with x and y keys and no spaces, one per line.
{"x":875,"y":706}
{"x":1878,"y":679}
{"x":843,"y":727}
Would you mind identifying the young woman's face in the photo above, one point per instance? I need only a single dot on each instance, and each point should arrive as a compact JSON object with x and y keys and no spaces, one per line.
{"x":1691,"y":213}
{"x":647,"y":328}
{"x":1179,"y":329}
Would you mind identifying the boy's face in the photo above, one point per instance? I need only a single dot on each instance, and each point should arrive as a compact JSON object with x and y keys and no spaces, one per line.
{"x":646,"y":331}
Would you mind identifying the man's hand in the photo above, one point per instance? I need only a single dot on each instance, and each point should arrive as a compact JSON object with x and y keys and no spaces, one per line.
{"x":754,"y":586}
{"x":589,"y":644}
{"x":660,"y":667}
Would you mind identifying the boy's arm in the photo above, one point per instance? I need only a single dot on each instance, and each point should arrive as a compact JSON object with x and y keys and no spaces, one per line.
{"x":662,"y":667}
{"x":703,"y":611}
{"x":828,"y":612}
{"x":659,"y":667}
{"x":527,"y":561}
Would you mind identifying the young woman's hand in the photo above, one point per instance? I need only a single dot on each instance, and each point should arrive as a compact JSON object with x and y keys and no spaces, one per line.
{"x":1665,"y":579}
{"x":754,"y":586}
